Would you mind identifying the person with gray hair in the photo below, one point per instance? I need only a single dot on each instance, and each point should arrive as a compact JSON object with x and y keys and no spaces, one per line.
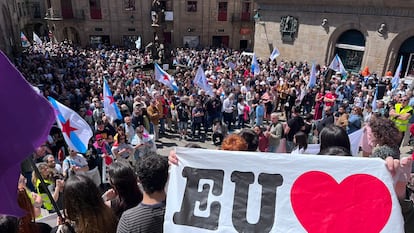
{"x":228,"y":110}
{"x":274,"y":133}
{"x":51,"y":163}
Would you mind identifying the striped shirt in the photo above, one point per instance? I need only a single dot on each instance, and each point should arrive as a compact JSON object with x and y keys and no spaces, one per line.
{"x":143,"y":218}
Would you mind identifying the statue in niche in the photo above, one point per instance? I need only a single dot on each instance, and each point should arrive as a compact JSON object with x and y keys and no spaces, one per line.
{"x":156,"y":10}
{"x":129,"y":5}
{"x":288,"y":27}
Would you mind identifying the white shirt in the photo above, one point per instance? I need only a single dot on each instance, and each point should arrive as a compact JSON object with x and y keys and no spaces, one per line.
{"x":77,"y":160}
{"x":228,"y":106}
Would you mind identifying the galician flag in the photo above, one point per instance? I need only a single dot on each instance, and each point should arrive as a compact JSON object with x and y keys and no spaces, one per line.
{"x":312,"y":78}
{"x":337,"y":65}
{"x":164,"y":78}
{"x":75,"y":129}
{"x":110,"y":107}
{"x":275,"y":54}
{"x":200,"y":80}
{"x":374,"y":101}
{"x":138,"y":43}
{"x":24,"y":40}
{"x":396,"y":79}
{"x":255,"y":65}
{"x":37,"y":39}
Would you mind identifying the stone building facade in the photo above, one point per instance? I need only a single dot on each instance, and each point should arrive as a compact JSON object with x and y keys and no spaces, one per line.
{"x":20,"y":16}
{"x":195,"y":23}
{"x":9,"y":34}
{"x":362,"y":33}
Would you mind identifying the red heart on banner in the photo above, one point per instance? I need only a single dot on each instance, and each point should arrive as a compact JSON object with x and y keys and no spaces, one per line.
{"x":361,"y":203}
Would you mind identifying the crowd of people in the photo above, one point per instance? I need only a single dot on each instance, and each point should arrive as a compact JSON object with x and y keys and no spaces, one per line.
{"x":275,"y":111}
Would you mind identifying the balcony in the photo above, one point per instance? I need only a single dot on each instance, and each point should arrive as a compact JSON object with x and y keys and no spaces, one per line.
{"x":52,"y":14}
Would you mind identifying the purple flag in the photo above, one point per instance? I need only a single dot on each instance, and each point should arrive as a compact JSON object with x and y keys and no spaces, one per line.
{"x":26,"y":119}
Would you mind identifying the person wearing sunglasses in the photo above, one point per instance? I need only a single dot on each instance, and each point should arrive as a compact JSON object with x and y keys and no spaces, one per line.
{"x":401,"y":115}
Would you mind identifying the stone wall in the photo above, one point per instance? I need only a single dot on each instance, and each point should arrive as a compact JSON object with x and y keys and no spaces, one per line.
{"x":316,"y":43}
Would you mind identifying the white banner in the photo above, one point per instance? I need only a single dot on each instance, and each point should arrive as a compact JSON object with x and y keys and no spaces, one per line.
{"x":233,"y":191}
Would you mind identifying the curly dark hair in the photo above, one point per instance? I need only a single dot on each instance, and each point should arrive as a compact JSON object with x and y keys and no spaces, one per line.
{"x":152,"y":172}
{"x":384,"y":131}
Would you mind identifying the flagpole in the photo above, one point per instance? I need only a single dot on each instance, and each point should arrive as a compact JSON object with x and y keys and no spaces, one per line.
{"x":45,"y":188}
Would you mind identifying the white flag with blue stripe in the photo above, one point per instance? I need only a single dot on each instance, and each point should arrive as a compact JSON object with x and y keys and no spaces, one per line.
{"x":337,"y":65}
{"x":374,"y":101}
{"x":138,"y":43}
{"x":275,"y":54}
{"x":200,"y":80}
{"x":164,"y":78}
{"x":396,"y":79}
{"x":312,"y":78}
{"x":255,"y":65}
{"x":75,"y":130}
{"x":37,"y":39}
{"x":110,"y":107}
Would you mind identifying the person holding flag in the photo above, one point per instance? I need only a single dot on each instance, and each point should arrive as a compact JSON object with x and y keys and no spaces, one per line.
{"x":164,"y":78}
{"x":75,"y":130}
{"x":37,"y":39}
{"x":312,"y":77}
{"x":255,"y":67}
{"x":395,"y":81}
{"x":200,"y":80}
{"x":337,"y":65}
{"x":110,"y":107}
{"x":275,"y":53}
{"x":24,"y":40}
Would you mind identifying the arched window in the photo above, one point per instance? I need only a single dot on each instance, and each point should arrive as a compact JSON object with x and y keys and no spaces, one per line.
{"x":407,"y":52}
{"x":350,"y":47}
